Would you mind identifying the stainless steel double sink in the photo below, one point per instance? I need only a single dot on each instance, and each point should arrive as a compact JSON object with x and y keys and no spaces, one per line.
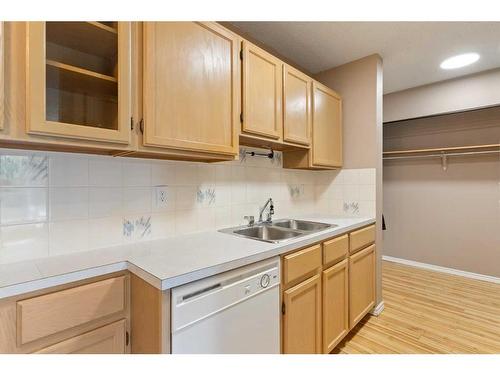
{"x":278,"y":230}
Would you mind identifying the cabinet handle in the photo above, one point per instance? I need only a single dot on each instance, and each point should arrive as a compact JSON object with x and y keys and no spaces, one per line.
{"x":141,"y":125}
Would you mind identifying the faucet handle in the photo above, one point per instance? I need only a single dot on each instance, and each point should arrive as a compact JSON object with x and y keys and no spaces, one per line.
{"x":250,"y":219}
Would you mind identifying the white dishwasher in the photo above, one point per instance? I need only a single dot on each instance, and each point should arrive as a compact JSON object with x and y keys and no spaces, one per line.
{"x":234,"y":312}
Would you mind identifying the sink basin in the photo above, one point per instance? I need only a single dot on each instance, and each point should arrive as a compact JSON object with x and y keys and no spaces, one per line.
{"x":278,"y":231}
{"x":307,"y":226}
{"x":267,"y":233}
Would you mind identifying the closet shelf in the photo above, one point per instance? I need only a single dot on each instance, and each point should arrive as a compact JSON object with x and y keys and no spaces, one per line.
{"x":74,"y":79}
{"x":94,"y":38}
{"x":443,"y":149}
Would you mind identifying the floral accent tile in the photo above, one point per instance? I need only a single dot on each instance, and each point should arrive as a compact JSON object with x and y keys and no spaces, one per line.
{"x":137,"y":229}
{"x":351,"y":208}
{"x":24,"y":170}
{"x":206,"y":196}
{"x":296,"y":191}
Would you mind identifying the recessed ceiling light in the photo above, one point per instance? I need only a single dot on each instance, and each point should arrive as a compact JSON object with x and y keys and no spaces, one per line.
{"x":460,"y":61}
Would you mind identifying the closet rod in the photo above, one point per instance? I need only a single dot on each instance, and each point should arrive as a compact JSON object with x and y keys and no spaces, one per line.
{"x":441,"y":155}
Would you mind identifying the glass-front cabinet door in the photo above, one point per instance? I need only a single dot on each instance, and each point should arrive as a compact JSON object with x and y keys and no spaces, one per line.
{"x":78,"y":80}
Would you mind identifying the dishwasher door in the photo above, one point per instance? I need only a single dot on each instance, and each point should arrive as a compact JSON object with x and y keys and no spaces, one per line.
{"x":234,"y":312}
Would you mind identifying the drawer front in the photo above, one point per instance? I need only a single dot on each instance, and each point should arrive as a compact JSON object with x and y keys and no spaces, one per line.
{"x":45,"y":315}
{"x":301,"y":264}
{"x":109,"y":339}
{"x":361,"y":238}
{"x":335,"y":250}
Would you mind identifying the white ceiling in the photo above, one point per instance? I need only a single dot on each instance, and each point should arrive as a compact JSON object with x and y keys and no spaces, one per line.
{"x":412,"y":51}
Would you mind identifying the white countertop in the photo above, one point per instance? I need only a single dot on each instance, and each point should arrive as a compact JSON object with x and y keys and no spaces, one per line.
{"x":164,"y":263}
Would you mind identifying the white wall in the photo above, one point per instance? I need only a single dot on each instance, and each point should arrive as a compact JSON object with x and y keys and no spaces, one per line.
{"x":454,"y":95}
{"x":55,"y":203}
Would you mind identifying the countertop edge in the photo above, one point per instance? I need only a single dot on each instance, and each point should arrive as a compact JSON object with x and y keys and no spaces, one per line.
{"x":168,"y":283}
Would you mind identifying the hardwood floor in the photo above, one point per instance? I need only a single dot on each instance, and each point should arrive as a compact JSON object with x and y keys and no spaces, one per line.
{"x":429,"y":312}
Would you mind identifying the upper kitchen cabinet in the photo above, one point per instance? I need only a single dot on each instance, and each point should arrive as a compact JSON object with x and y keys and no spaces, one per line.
{"x":326,"y":148}
{"x":296,"y":106}
{"x":78,"y":80}
{"x":262,"y":94}
{"x":191,"y":89}
{"x":327,"y":127}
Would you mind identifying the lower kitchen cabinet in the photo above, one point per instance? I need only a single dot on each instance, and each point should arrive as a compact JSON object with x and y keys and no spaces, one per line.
{"x":302,"y":317}
{"x":109,"y":339}
{"x":88,"y":316}
{"x":361,"y":284}
{"x":335,"y":304}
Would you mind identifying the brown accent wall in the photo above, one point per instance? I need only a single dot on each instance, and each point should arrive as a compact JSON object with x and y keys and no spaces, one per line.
{"x":447,"y":218}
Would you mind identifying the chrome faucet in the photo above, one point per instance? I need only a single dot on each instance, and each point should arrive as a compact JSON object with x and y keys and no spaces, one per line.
{"x":270,"y":213}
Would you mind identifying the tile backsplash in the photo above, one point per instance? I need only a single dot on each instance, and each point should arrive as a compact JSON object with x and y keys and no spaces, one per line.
{"x":56,"y":203}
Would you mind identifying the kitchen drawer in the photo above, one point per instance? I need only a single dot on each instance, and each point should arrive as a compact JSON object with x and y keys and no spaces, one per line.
{"x":51,"y":313}
{"x":361,"y":238}
{"x":335,"y":249}
{"x":109,"y":339}
{"x":301,"y":264}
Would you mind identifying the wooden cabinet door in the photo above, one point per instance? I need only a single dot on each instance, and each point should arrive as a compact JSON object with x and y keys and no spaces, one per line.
{"x":191,"y":87}
{"x":335,"y":305}
{"x":109,"y":339}
{"x":302,"y":317}
{"x":78,"y":80}
{"x":327,"y":127}
{"x":296,"y":106}
{"x":361,"y":284}
{"x":262,"y":93}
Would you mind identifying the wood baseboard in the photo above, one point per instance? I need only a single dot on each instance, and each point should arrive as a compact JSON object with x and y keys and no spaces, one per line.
{"x":451,"y":271}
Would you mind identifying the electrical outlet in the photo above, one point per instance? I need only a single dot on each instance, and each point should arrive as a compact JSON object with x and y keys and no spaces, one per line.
{"x":161,"y":196}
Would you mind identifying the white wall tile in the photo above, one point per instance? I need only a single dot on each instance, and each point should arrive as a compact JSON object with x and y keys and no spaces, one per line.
{"x":68,"y":236}
{"x":23,"y":205}
{"x":136,"y":200}
{"x":136,"y":173}
{"x":206,"y":175}
{"x":68,"y":170}
{"x":185,"y":197}
{"x":223,"y":217}
{"x":367,"y":192}
{"x":68,"y":203}
{"x":223,"y":195}
{"x":186,"y":221}
{"x":222,"y":174}
{"x":186,"y":174}
{"x":105,"y":201}
{"x":162,"y":225}
{"x":105,"y":231}
{"x":162,"y":173}
{"x":105,"y":171}
{"x":23,"y":242}
{"x":350,"y":176}
{"x":89,"y":201}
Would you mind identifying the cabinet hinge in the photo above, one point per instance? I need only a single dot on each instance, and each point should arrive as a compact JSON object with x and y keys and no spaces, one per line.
{"x":241,"y":54}
{"x":241,"y":117}
{"x":131,"y":123}
{"x":141,"y":125}
{"x":127,"y":338}
{"x":283,"y":308}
